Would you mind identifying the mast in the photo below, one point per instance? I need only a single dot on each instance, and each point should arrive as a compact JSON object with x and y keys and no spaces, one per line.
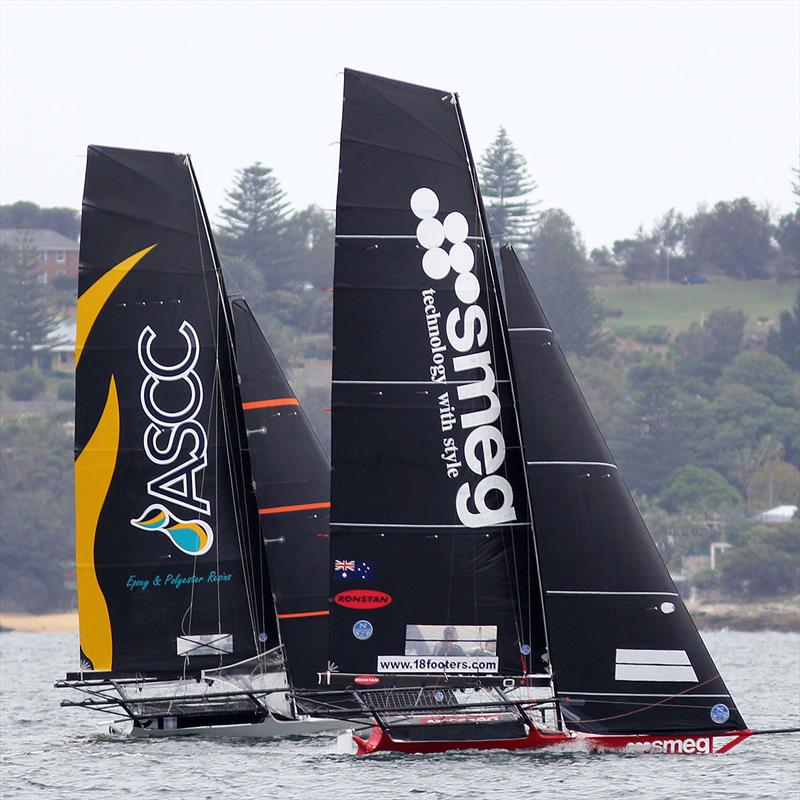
{"x":501,"y":312}
{"x":625,"y":652}
{"x":430,"y":536}
{"x":171,"y":570}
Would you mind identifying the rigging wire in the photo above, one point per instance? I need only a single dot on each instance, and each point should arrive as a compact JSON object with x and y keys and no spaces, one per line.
{"x":490,"y":272}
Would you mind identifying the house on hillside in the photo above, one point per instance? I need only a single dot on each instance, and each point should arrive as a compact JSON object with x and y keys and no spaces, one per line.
{"x":58,"y":354}
{"x":53,"y":253}
{"x":779,"y":515}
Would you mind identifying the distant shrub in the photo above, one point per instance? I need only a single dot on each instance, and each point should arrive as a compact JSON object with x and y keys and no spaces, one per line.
{"x":699,"y":488}
{"x":654,"y":334}
{"x":316,"y":347}
{"x":66,"y":390}
{"x":706,"y":579}
{"x":763,"y":562}
{"x":64,"y":282}
{"x":626,"y":331}
{"x":26,"y":384}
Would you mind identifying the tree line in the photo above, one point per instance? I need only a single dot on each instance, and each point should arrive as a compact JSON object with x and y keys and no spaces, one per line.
{"x":703,"y":423}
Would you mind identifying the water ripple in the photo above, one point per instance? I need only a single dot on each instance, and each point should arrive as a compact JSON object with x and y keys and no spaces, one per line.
{"x":48,"y":752}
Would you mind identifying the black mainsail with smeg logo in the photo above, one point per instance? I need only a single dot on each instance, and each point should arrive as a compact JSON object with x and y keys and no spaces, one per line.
{"x":428,"y":485}
{"x":171,"y":569}
{"x":471,"y":485}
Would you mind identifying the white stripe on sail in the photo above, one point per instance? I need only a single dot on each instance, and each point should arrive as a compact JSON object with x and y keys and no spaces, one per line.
{"x":412,"y":383}
{"x":614,"y":594}
{"x":654,"y":665}
{"x":391,"y":236}
{"x":654,"y":672}
{"x":652,"y":657}
{"x":570,"y":463}
{"x":414,"y":525}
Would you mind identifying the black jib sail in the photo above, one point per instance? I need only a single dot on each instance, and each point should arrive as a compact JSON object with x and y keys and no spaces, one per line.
{"x":292,"y":484}
{"x":431,"y":548}
{"x":171,"y":570}
{"x":626,"y":655}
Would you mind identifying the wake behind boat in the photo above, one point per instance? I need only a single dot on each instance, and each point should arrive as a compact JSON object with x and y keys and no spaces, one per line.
{"x":201,"y":490}
{"x":510,"y":595}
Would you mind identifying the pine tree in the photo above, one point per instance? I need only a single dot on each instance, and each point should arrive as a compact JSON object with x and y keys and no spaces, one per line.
{"x":27,"y":318}
{"x":557,"y":268}
{"x":256,"y":224}
{"x":505,"y":185}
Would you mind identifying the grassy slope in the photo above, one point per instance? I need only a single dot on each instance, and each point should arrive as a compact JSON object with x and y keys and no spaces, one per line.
{"x":677,"y":306}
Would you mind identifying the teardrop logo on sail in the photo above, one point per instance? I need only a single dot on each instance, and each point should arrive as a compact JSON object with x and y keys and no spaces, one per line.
{"x":192,"y":537}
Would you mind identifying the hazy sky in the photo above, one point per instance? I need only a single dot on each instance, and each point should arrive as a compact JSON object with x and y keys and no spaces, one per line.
{"x":622,"y":109}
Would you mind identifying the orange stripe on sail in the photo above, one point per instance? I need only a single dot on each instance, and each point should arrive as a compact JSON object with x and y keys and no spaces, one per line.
{"x":279,"y":401}
{"x":304,"y":614}
{"x":284,"y":509}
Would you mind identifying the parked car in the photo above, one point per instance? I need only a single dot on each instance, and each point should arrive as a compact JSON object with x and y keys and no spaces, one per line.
{"x":695,"y":280}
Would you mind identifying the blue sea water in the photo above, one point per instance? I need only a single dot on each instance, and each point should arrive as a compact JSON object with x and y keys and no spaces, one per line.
{"x":50,"y":752}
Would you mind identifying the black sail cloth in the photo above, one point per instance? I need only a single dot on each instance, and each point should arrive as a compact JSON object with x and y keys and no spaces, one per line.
{"x":430,"y":537}
{"x":171,"y":571}
{"x":292,"y":484}
{"x":626,"y":655}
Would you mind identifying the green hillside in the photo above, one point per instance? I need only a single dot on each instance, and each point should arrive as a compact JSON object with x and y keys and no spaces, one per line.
{"x":677,"y":306}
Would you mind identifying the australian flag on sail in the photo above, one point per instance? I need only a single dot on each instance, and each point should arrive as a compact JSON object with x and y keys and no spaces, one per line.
{"x":354,"y":570}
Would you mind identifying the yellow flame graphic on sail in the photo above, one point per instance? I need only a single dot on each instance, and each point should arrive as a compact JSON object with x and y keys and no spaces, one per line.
{"x":94,"y":469}
{"x":91,"y":302}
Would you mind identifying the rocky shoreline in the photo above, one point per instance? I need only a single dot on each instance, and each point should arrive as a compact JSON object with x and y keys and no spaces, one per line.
{"x":709,"y":615}
{"x":780,"y":615}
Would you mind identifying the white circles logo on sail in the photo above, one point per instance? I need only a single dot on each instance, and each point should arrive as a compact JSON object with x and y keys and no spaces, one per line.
{"x":484,"y":448}
{"x":431,"y":234}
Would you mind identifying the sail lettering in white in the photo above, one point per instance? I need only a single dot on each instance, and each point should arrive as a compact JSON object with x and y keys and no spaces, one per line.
{"x":467,"y":332}
{"x":176,"y":442}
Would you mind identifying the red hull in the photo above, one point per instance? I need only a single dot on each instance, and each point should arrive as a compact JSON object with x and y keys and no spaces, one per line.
{"x":380,"y":741}
{"x":685,"y":744}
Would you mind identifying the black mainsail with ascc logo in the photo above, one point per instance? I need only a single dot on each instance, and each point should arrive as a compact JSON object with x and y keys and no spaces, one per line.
{"x":173,"y":507}
{"x":471,"y":488}
{"x":169,"y":558}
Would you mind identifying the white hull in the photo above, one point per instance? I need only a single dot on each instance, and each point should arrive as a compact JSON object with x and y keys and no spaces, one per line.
{"x":270,"y":728}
